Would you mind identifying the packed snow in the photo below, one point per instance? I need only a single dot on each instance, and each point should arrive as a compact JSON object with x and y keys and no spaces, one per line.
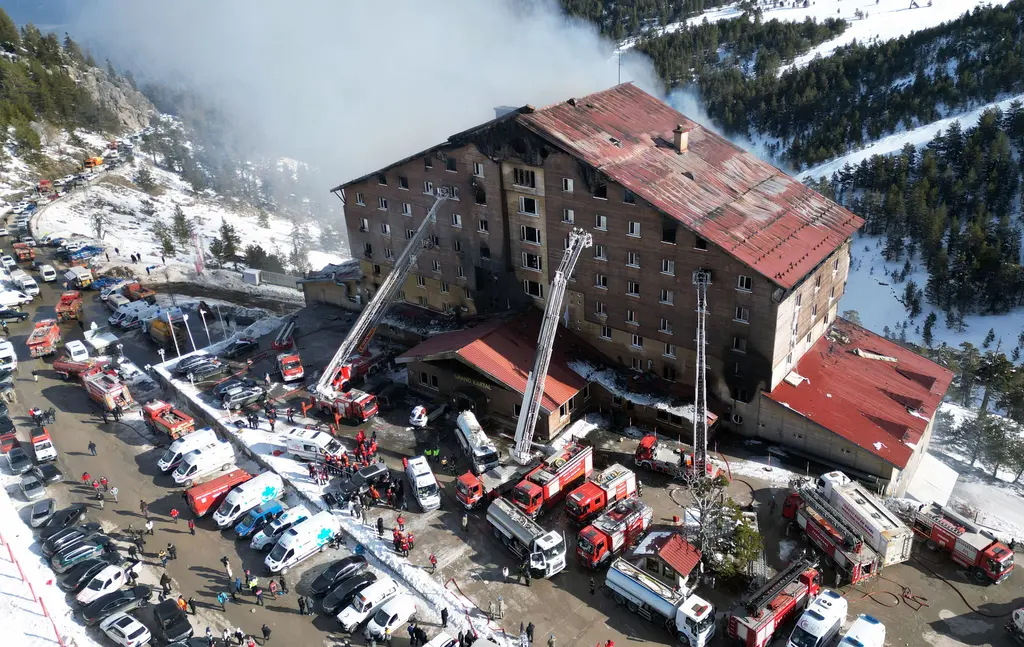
{"x":609,"y":379}
{"x":894,"y":143}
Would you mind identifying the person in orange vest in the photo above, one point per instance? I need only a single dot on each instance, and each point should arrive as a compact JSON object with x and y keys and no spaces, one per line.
{"x":374,"y":493}
{"x":412,"y":540}
{"x":360,"y":437}
{"x":344,"y":459}
{"x":404,"y":546}
{"x":401,"y":522}
{"x":373,"y":448}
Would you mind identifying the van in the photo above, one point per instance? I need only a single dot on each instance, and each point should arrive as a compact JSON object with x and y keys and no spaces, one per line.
{"x":820,"y":622}
{"x":265,"y":487}
{"x":121,"y":312}
{"x":424,"y":485}
{"x":479,"y":449}
{"x":866,"y":631}
{"x":200,"y":462}
{"x":27,"y":284}
{"x":270,"y":533}
{"x":78,"y":277}
{"x":11,"y":298}
{"x":115,"y":301}
{"x":366,"y":602}
{"x":313,"y":445}
{"x":135,"y":317}
{"x":47,"y":273}
{"x":254,"y":520}
{"x":302,"y":540}
{"x":42,"y":446}
{"x":8,"y":358}
{"x":207,"y":496}
{"x":173,"y":455}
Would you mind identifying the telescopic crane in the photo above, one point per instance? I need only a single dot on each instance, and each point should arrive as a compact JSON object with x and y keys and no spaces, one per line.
{"x":578,"y":241}
{"x":338,"y":371}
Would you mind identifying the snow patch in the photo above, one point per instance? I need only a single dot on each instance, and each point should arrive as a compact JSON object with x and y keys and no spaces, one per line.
{"x":609,"y":379}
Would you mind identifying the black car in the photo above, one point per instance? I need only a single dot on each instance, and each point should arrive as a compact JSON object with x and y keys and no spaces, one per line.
{"x":48,"y":473}
{"x":232,"y":384}
{"x":171,"y":622}
{"x":79,"y":575}
{"x":8,"y":314}
{"x":185,"y":365}
{"x":336,"y":572}
{"x":346,"y":591}
{"x":240,"y":347}
{"x":111,"y":603}
{"x":61,"y":540}
{"x":61,"y":519}
{"x":6,"y":424}
{"x":362,"y":480}
{"x":207,"y":371}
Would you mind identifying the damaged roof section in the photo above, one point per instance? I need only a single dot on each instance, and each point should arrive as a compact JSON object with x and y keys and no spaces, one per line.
{"x":337,"y":272}
{"x":866,"y":389}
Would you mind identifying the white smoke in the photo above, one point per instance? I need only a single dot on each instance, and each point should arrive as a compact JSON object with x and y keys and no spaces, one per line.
{"x":348,"y":87}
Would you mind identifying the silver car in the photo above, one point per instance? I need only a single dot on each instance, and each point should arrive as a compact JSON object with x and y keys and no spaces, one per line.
{"x":32,"y":487}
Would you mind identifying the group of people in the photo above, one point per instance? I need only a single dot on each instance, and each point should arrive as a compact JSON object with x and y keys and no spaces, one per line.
{"x":41,"y":417}
{"x":117,"y":413}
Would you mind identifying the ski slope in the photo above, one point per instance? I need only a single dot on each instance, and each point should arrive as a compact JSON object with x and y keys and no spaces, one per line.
{"x":895,"y":142}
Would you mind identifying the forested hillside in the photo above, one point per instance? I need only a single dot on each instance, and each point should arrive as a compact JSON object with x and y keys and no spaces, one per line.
{"x":619,"y":19}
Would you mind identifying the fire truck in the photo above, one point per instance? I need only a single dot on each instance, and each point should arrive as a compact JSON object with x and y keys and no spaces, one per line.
{"x":546,"y":484}
{"x":163,"y":418}
{"x":24,"y":252}
{"x":969,"y":545}
{"x":69,"y":306}
{"x":613,"y":532}
{"x":67,"y":368}
{"x":352,"y":405}
{"x":879,"y":527}
{"x":829,"y":531}
{"x":45,"y":338}
{"x":106,"y":388}
{"x":756,"y":620}
{"x":289,"y":365}
{"x":614,"y":483}
{"x":657,"y":455}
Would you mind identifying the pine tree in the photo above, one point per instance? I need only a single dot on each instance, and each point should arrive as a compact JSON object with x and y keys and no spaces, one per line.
{"x":144,"y":179}
{"x":227,"y":244}
{"x":263,"y":218}
{"x":989,"y":338}
{"x":10,"y":39}
{"x":929,"y":324}
{"x":181,"y":228}
{"x":163,"y":238}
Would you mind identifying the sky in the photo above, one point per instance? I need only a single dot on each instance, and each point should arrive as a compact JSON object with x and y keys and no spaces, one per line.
{"x":349,"y":87}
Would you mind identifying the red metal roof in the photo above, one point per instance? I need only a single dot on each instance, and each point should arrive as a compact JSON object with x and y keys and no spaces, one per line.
{"x":504,"y":351}
{"x":755,"y":212}
{"x":853,"y":388}
{"x":680,"y":554}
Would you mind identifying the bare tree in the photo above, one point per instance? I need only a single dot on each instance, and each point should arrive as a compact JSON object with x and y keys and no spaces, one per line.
{"x":100,"y":221}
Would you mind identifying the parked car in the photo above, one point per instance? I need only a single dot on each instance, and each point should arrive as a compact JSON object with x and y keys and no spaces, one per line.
{"x":362,"y":480}
{"x":243,"y":397}
{"x":17,"y":458}
{"x":340,"y":570}
{"x":240,"y":347}
{"x":79,"y":552}
{"x":7,"y":261}
{"x":76,"y":350}
{"x":81,"y":573}
{"x":61,"y":519}
{"x":232,"y":384}
{"x":32,"y":487}
{"x":41,"y":512}
{"x":48,"y":473}
{"x":125,"y":630}
{"x":395,"y":613}
{"x":255,"y":519}
{"x":185,"y":365}
{"x":171,"y":622}
{"x":106,"y":581}
{"x":207,"y":371}
{"x":118,"y":601}
{"x":345,"y":591}
{"x":8,"y":314}
{"x":68,"y":536}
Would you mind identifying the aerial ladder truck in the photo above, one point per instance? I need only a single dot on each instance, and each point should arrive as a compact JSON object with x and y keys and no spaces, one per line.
{"x":474,"y":489}
{"x":333,"y":393}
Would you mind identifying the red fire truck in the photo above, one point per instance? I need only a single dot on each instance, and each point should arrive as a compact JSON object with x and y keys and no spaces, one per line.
{"x":106,"y":388}
{"x":289,"y":365}
{"x":656,"y":454}
{"x":967,"y":544}
{"x":612,"y":532}
{"x":829,"y":531}
{"x":163,"y":418}
{"x":756,"y":620}
{"x":208,"y":496}
{"x":67,"y":368}
{"x":24,"y":252}
{"x":354,"y":405}
{"x":614,"y":483}
{"x":45,"y":338}
{"x":70,"y":306}
{"x":546,"y":484}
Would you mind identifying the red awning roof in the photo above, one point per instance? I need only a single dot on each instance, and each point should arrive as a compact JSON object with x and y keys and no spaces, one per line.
{"x":866,"y":389}
{"x":680,"y":554}
{"x":504,"y":351}
{"x":755,"y":212}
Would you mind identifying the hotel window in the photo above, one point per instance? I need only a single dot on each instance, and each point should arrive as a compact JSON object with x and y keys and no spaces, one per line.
{"x":633,"y":259}
{"x":606,"y":332}
{"x":668,"y":267}
{"x":633,"y":229}
{"x":633,"y":289}
{"x":744,"y":283}
{"x":667,"y":297}
{"x":742,"y":314}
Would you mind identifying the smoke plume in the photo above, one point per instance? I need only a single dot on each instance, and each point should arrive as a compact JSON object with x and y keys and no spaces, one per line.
{"x":348,"y":87}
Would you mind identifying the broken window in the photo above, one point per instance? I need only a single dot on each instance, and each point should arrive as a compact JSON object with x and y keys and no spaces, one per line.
{"x":534,"y":289}
{"x":524,"y":177}
{"x":450,"y":164}
{"x":601,"y":190}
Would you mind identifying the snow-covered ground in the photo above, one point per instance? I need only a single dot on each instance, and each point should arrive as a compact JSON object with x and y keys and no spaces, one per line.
{"x":895,"y":142}
{"x":877,"y":299}
{"x":25,"y":623}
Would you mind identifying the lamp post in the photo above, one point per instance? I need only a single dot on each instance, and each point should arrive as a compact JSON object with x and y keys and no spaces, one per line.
{"x":174,"y":337}
{"x":202,"y":315}
{"x":184,"y":318}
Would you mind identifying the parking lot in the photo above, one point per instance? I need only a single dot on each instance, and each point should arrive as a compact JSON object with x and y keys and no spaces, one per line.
{"x":470,"y":563}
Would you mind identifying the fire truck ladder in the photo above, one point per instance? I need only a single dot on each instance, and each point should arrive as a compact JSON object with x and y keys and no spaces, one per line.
{"x":762,"y":597}
{"x":700,"y":396}
{"x":374,"y":311}
{"x":851,"y":538}
{"x":578,"y":241}
{"x":284,"y":333}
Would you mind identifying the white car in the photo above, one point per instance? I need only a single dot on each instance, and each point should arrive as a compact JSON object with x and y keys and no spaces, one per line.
{"x":47,"y":273}
{"x":110,"y":579}
{"x":28,"y":240}
{"x":74,"y":245}
{"x":77,"y":351}
{"x":4,"y":232}
{"x":419,"y":417}
{"x":11,"y":298}
{"x":7,"y":261}
{"x":392,"y":615}
{"x":126,"y":630}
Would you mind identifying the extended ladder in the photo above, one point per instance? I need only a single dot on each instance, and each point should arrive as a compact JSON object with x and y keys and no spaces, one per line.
{"x":762,"y":597}
{"x":851,"y":538}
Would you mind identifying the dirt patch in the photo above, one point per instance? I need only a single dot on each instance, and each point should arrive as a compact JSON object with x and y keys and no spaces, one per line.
{"x":118,"y":180}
